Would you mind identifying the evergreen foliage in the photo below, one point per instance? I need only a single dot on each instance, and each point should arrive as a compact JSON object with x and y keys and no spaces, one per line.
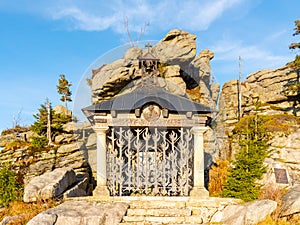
{"x":57,"y":122}
{"x":248,"y":166}
{"x":10,"y":189}
{"x":40,"y":125}
{"x":39,"y":142}
{"x":296,"y":63}
{"x":63,"y":89}
{"x":297,"y":31}
{"x":292,"y":89}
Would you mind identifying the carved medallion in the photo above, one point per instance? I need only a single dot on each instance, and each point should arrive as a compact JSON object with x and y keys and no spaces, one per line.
{"x":151,"y":112}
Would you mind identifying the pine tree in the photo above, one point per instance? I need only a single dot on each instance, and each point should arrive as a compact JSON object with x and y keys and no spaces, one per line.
{"x":63,"y":89}
{"x":292,"y":88}
{"x":297,"y":31}
{"x":248,"y":166}
{"x":57,"y":121}
{"x":40,"y":125}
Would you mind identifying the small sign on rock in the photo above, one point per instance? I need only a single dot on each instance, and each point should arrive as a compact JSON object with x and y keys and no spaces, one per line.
{"x":281,"y":176}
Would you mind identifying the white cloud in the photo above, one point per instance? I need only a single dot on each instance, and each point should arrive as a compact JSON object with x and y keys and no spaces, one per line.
{"x":85,"y":21}
{"x":190,"y":14}
{"x":253,"y":57}
{"x":230,"y":50}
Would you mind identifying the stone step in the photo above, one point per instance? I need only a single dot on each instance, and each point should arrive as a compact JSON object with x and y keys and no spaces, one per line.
{"x":159,"y":212}
{"x":149,"y":223}
{"x":157,"y":204}
{"x":163,"y":219}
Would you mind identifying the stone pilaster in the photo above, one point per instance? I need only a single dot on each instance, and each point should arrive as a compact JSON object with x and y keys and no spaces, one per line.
{"x":101,"y":189}
{"x":199,"y":190}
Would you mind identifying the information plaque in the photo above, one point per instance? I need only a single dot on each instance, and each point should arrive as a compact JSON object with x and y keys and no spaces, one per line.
{"x":281,"y":176}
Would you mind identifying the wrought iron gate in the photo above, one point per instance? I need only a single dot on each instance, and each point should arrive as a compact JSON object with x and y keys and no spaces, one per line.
{"x":149,"y":161}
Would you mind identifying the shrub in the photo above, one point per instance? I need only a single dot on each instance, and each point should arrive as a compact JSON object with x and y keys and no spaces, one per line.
{"x":217,"y":177}
{"x":270,"y":123}
{"x":16,"y":144}
{"x":39,"y":142}
{"x":16,"y":129}
{"x":275,"y":193}
{"x":26,"y":211}
{"x":248,"y":167}
{"x":10,"y":189}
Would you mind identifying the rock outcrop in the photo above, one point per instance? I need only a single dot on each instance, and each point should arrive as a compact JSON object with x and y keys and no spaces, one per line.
{"x":36,"y":163}
{"x":291,"y":203}
{"x":49,"y":185}
{"x":59,"y":109}
{"x":82,"y":212}
{"x":176,"y":48}
{"x":268,"y":87}
{"x":266,"y":92}
{"x":70,"y":151}
{"x":246,"y":214}
{"x":284,"y":154}
{"x":179,"y":67}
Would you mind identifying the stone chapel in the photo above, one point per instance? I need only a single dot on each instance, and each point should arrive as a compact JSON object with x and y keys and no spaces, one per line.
{"x":149,"y":141}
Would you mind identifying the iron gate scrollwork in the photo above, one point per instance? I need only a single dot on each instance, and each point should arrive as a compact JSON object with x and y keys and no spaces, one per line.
{"x":150,"y":161}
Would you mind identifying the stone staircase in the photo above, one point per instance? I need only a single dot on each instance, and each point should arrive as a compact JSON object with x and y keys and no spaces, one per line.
{"x":150,"y":210}
{"x":172,"y":210}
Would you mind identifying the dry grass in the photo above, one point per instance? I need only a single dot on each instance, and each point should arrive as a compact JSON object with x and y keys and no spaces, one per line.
{"x":16,"y":144}
{"x":270,"y":221}
{"x":275,"y":193}
{"x":25,"y":211}
{"x":217,"y":177}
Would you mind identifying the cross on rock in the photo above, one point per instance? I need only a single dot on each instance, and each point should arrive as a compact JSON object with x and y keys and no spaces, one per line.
{"x":148,"y":45}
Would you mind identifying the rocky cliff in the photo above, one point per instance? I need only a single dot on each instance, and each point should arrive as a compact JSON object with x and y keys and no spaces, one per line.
{"x":183,"y":71}
{"x":266,"y":92}
{"x":69,"y":150}
{"x":268,"y":87}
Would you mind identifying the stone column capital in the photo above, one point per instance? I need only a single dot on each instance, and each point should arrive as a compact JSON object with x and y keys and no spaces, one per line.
{"x":199,"y":130}
{"x":100,"y":130}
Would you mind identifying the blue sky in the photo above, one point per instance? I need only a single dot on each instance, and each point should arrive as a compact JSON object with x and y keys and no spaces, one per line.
{"x":40,"y":39}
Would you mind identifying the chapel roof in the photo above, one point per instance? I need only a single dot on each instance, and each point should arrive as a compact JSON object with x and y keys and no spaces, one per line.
{"x":143,"y":95}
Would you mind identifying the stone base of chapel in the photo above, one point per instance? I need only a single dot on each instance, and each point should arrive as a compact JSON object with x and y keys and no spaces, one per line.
{"x":199,"y":192}
{"x":101,"y":191}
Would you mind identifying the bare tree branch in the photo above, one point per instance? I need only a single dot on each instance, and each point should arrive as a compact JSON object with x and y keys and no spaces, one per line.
{"x":17,"y":119}
{"x":127,"y":29}
{"x":143,"y":29}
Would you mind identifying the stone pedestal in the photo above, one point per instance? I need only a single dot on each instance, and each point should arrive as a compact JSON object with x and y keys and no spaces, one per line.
{"x":199,"y":190}
{"x":101,"y":189}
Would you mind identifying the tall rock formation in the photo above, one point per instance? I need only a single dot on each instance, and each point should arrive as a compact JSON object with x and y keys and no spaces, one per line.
{"x":266,"y":92}
{"x":182,"y":71}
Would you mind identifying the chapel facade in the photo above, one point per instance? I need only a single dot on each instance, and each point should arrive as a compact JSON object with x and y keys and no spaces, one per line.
{"x":149,"y":141}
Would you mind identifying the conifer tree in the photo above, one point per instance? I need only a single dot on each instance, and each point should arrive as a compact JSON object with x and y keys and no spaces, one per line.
{"x":296,"y":45}
{"x":248,"y":166}
{"x":63,"y":89}
{"x":40,"y":125}
{"x":292,"y":89}
{"x":57,"y":121}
